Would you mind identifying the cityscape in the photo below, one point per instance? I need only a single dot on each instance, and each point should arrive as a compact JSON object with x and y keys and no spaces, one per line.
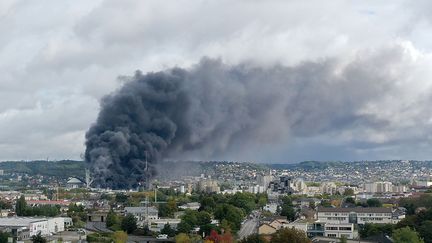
{"x":215,"y":121}
{"x":248,"y":199}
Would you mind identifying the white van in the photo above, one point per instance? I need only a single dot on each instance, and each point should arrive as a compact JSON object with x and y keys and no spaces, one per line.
{"x":162,"y":237}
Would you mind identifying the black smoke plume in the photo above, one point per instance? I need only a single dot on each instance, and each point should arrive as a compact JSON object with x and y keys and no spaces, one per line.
{"x":213,"y":108}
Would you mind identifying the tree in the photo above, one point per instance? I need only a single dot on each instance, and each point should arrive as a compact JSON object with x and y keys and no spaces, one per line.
{"x":120,"y":237}
{"x":168,"y":230}
{"x":203,"y":218}
{"x":182,"y":238}
{"x":343,"y":239}
{"x":129,"y":223}
{"x":291,"y":235}
{"x":348,"y":192}
{"x":4,"y":237}
{"x":374,"y":202}
{"x":38,"y":238}
{"x":230,"y":213}
{"x":288,"y":211}
{"x":376,"y":229}
{"x":208,"y":204}
{"x":214,"y":237}
{"x":184,"y":227}
{"x":245,"y":201}
{"x":254,"y":238}
{"x":405,"y":235}
{"x":350,"y":200}
{"x":112,"y":219}
{"x":227,"y":237}
{"x":312,"y":205}
{"x":425,"y":231}
{"x":21,"y":206}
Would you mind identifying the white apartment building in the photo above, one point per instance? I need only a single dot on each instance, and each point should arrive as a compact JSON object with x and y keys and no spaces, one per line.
{"x":340,"y":230}
{"x":26,"y":227}
{"x":356,"y":215}
{"x":328,"y":188}
{"x":318,"y":228}
{"x":299,"y":186}
{"x":383,"y":187}
{"x":264,"y":180}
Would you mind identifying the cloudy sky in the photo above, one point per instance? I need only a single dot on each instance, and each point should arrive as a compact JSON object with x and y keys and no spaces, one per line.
{"x":59,"y":58}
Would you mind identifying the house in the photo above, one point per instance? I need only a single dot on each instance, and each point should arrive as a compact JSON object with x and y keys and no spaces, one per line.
{"x":279,"y":223}
{"x":98,"y":216}
{"x":266,"y":229}
{"x":306,"y":202}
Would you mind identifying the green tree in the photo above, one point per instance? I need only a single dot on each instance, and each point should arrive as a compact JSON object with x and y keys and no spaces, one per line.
{"x":288,"y":211}
{"x":21,"y":206}
{"x":184,"y":227}
{"x":290,"y":235}
{"x":374,"y":202}
{"x":112,"y":219}
{"x":254,"y":238}
{"x":312,"y":205}
{"x":376,"y":229}
{"x":120,"y":237}
{"x":343,"y":239}
{"x":208,"y":204}
{"x":425,"y":231}
{"x":182,"y":238}
{"x":245,"y":201}
{"x":405,"y":235}
{"x":168,"y":230}
{"x":4,"y":237}
{"x":203,"y":218}
{"x":230,"y":213}
{"x":350,"y":200}
{"x":38,"y":238}
{"x":348,"y":192}
{"x":129,"y":223}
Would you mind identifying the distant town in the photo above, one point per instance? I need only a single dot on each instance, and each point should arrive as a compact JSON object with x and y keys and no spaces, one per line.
{"x":237,"y":201}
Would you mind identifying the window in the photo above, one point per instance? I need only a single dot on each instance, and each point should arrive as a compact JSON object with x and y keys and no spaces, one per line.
{"x":345,"y":228}
{"x":331,"y":235}
{"x":331,"y":228}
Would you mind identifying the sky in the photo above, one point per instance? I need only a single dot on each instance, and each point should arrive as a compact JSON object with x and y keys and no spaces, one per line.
{"x":58,"y":59}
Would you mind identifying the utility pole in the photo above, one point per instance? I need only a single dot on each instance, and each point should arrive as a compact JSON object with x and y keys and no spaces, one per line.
{"x":147,"y":176}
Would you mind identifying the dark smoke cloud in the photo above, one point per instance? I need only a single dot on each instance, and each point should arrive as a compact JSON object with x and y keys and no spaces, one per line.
{"x":213,"y":107}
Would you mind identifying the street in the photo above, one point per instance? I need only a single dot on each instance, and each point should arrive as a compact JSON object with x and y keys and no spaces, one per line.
{"x":249,"y":227}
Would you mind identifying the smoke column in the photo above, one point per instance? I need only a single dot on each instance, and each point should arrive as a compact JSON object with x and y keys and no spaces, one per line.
{"x":212,"y":107}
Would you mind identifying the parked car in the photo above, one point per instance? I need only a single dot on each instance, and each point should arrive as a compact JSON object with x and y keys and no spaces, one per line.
{"x":162,"y":237}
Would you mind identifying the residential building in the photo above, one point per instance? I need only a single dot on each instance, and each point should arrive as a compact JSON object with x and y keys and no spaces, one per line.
{"x":25,"y":227}
{"x":328,"y":188}
{"x":158,"y":224}
{"x":209,"y":186}
{"x":357,"y":215}
{"x":142,"y":214}
{"x":191,"y":206}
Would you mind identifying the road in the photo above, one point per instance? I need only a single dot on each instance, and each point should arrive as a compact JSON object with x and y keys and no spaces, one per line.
{"x":97,"y":227}
{"x":249,"y":227}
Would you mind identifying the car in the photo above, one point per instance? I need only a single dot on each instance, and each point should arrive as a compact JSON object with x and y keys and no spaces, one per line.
{"x":162,"y":237}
